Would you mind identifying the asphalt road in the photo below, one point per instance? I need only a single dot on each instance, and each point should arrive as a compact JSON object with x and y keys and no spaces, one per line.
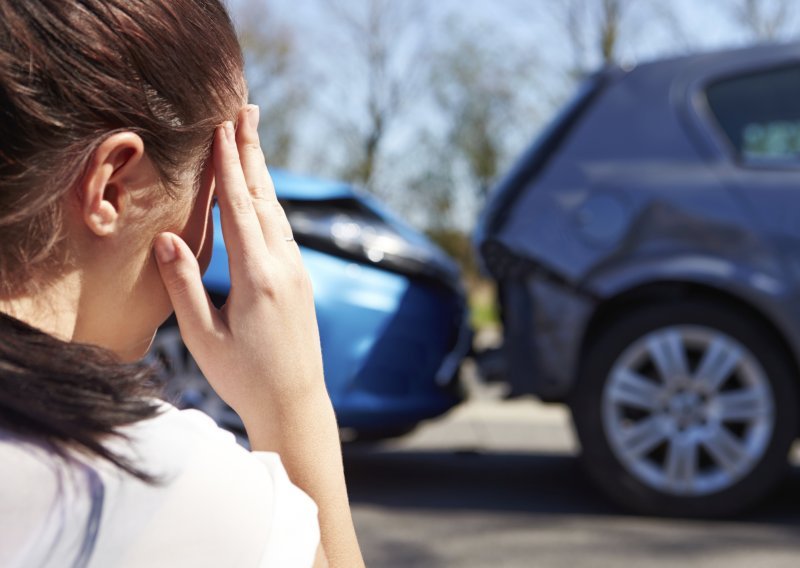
{"x":498,"y":485}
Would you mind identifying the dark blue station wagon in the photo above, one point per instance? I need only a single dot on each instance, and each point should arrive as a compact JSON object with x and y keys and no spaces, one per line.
{"x":647,"y":251}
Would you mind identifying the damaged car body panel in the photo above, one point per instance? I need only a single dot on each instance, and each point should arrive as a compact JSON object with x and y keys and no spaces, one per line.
{"x":635,"y":187}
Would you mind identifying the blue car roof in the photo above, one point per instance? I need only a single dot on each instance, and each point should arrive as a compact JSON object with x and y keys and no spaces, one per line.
{"x":297,"y":187}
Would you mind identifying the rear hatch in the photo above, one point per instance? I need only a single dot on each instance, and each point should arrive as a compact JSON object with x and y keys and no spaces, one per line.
{"x":493,"y":253}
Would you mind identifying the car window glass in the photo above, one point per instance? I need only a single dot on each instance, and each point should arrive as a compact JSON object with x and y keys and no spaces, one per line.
{"x":760,"y":113}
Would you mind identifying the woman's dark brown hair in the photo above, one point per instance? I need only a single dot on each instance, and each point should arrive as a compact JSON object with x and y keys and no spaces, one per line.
{"x":72,"y":72}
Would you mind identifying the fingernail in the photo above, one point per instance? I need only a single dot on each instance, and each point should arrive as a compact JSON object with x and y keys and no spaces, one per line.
{"x":253,"y":114}
{"x":165,"y":248}
{"x":230,"y":133}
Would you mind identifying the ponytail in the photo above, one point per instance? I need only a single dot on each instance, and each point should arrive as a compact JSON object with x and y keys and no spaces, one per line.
{"x":70,"y":395}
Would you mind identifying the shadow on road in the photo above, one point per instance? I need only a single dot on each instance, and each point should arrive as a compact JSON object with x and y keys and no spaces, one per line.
{"x":530,"y":483}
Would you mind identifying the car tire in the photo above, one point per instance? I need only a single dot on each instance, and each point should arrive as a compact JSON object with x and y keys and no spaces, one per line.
{"x":677,"y":446}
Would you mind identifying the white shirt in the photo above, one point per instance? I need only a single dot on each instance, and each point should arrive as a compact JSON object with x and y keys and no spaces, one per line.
{"x":216,"y":504}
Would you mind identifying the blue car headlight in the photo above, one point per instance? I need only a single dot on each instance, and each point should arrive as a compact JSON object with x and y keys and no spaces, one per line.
{"x":348,"y":228}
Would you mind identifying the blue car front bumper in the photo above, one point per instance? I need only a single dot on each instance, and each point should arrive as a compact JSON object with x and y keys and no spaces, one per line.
{"x":391,"y":345}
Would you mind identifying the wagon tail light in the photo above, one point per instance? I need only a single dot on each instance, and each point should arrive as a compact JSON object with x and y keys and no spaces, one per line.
{"x":349,"y":229}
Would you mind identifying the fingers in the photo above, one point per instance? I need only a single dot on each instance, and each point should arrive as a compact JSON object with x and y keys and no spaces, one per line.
{"x":271,"y":216}
{"x":255,"y":168}
{"x":181,"y":276}
{"x":241,"y":228}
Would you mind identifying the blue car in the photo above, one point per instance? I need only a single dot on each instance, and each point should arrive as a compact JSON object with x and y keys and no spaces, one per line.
{"x":390,"y":308}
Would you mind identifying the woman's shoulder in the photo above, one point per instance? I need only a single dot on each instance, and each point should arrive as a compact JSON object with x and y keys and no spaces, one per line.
{"x":222,"y":493}
{"x":29,"y":485}
{"x":213,"y":503}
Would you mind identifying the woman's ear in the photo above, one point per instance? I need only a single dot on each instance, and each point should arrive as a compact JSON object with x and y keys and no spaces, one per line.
{"x":104,"y":190}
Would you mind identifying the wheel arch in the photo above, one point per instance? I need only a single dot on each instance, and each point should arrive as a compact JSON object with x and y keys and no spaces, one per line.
{"x":681,"y":290}
{"x":670,"y":303}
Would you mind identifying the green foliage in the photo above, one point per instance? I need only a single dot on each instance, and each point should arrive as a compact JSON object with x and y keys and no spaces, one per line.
{"x":483,"y":310}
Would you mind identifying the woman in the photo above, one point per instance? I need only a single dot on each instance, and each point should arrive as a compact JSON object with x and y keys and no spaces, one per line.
{"x":121,"y":122}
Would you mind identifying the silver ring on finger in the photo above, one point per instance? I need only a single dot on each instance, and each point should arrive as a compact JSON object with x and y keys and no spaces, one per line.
{"x":288,"y":239}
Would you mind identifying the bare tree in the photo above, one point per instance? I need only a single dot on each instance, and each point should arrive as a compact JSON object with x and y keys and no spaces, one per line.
{"x":592,"y":28}
{"x":384,"y":41}
{"x":432,"y":186}
{"x":597,"y":31}
{"x":478,"y":82}
{"x":765,"y":20}
{"x":275,"y":75}
{"x":484,"y":108}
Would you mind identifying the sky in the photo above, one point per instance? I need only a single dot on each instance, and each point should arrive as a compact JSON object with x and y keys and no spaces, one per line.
{"x":525,"y":29}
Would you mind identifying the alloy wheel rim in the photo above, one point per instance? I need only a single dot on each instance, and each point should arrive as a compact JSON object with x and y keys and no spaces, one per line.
{"x":688,"y":410}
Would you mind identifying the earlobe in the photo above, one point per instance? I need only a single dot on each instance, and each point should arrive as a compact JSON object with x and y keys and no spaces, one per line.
{"x":102,"y":219}
{"x":103,"y":190}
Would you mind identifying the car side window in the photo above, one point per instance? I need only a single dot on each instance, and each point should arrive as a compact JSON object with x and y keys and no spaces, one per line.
{"x":759,"y":113}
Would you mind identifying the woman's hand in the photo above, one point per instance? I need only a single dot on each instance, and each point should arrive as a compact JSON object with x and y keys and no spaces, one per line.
{"x":261,"y":351}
